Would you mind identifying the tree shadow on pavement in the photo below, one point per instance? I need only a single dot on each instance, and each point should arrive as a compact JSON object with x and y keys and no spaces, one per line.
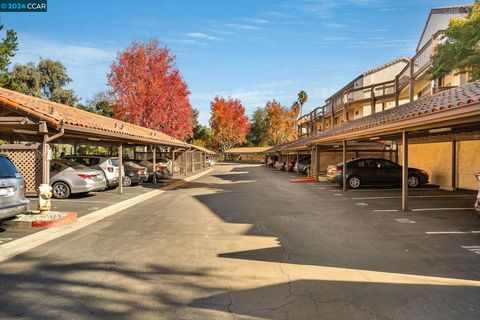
{"x":95,"y":289}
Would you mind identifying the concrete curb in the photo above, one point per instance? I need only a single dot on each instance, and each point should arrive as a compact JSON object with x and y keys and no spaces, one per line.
{"x":19,"y":246}
{"x":24,"y":224}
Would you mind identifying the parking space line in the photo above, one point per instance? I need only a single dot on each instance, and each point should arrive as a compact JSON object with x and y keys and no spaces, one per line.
{"x":474,"y":249}
{"x":386,"y":210}
{"x":442,"y":209}
{"x":404,"y":220}
{"x":452,"y":232}
{"x":421,"y":197}
{"x":361,"y":204}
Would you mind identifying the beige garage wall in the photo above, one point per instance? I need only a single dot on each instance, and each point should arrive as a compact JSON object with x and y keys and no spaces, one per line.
{"x":468,"y":153}
{"x":435,"y":158}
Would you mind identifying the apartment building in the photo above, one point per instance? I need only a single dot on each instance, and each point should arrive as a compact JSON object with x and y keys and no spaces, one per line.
{"x":448,"y":153}
{"x":400,"y":81}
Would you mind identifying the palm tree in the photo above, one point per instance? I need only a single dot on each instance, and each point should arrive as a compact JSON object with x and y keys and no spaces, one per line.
{"x":296,"y":108}
{"x":302,"y":98}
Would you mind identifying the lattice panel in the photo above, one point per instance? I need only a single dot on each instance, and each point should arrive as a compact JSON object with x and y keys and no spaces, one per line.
{"x":29,"y":164}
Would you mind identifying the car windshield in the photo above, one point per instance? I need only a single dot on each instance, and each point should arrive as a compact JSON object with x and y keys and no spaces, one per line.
{"x":72,"y":164}
{"x":7,"y":169}
{"x":114,"y":162}
{"x":132,"y":164}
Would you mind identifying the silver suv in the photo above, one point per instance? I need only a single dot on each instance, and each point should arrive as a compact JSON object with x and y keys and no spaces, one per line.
{"x":12,"y":190}
{"x":109,"y":166}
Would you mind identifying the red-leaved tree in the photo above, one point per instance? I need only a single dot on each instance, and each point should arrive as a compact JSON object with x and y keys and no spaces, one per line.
{"x":148,"y":90}
{"x":228,"y":122}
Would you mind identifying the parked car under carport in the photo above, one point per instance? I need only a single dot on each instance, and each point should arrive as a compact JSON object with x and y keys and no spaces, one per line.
{"x":134,"y":174}
{"x":69,"y":177}
{"x":161,"y":171}
{"x":12,"y":190}
{"x":375,"y":172}
{"x":303,"y":165}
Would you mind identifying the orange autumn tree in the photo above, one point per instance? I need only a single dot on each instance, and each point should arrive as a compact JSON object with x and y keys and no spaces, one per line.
{"x":281,"y":122}
{"x":148,"y":90}
{"x":228,"y":122}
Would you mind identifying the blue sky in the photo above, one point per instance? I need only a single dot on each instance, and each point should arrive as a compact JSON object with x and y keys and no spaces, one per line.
{"x":253,"y":50}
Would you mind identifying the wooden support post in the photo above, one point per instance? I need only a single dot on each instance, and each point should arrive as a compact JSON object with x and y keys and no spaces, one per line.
{"x":344,"y":161}
{"x":192,"y":157}
{"x":120,"y":168}
{"x":317,"y":165}
{"x":405,"y":171}
{"x":411,"y":89}
{"x":173,"y":163}
{"x":372,"y":100}
{"x":185,"y":164}
{"x":397,"y":93}
{"x":323,"y":119}
{"x":298,"y":158}
{"x":454,"y":164}
{"x":45,"y":161}
{"x":154,"y":161}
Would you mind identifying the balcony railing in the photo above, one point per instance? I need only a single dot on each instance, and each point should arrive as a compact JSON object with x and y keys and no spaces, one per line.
{"x":365,"y":93}
{"x":404,"y":77}
{"x":423,"y":58}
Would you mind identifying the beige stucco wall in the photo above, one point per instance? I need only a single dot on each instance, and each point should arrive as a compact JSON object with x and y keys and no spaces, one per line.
{"x":436,"y":159}
{"x":468,"y":163}
{"x":384,"y":75}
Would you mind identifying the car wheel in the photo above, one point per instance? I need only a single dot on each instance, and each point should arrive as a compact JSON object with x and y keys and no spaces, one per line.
{"x":61,"y":190}
{"x":127,"y":181}
{"x":413,"y":181}
{"x":354,"y":182}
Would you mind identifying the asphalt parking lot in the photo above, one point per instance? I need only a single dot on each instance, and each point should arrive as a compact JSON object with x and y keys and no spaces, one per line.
{"x":86,"y":204}
{"x":255,"y":245}
{"x":432,"y":211}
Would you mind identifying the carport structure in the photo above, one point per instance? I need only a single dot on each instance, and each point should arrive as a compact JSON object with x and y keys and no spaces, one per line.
{"x":250,"y":154}
{"x":26,"y":118}
{"x":451,"y":116}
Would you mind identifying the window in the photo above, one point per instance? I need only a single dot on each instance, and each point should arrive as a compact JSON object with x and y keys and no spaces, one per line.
{"x":7,"y":169}
{"x":386,"y":164}
{"x":369,"y":163}
{"x":54,"y":167}
{"x":94,"y":161}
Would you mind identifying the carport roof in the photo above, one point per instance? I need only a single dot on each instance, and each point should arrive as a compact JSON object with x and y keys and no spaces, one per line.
{"x":454,"y":106}
{"x":247,"y":150}
{"x":280,"y":146}
{"x":75,"y":120}
{"x":203,"y":149}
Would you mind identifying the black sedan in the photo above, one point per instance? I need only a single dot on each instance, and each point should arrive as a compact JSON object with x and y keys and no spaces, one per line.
{"x":134,"y":174}
{"x":375,"y":172}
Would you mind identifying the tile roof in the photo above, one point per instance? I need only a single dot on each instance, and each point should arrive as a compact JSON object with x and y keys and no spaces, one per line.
{"x":56,"y":114}
{"x":442,"y":102}
{"x":248,"y":150}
